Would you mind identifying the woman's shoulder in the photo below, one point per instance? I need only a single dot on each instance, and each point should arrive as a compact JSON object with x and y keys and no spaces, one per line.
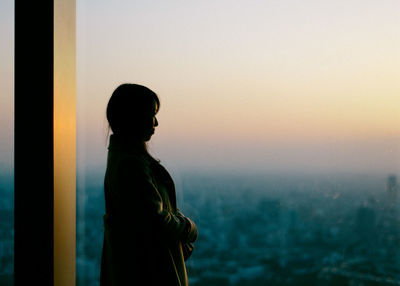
{"x":127,"y":165}
{"x":160,"y":171}
{"x":136,"y":162}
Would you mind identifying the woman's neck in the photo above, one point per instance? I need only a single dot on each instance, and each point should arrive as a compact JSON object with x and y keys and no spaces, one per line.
{"x":130,"y":141}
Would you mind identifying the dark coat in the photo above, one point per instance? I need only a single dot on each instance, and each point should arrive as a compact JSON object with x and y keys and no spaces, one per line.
{"x":146,"y":238}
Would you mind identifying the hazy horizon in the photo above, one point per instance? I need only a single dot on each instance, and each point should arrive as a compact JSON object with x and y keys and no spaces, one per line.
{"x":276,"y":87}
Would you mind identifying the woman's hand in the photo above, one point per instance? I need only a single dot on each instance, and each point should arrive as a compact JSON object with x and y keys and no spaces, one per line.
{"x":187,"y":249}
{"x":190,"y":231}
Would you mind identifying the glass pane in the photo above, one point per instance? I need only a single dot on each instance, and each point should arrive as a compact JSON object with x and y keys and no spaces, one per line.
{"x":7,"y":142}
{"x":279,"y":123}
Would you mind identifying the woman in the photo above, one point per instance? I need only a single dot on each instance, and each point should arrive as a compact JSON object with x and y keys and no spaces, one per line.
{"x":146,"y":238}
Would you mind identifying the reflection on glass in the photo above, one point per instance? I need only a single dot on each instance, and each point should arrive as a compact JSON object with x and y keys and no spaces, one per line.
{"x":6,"y":145}
{"x":279,"y":122}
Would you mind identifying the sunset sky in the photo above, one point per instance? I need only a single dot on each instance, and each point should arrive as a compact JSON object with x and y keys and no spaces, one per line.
{"x":276,"y":85}
{"x":6,"y":86}
{"x":244,"y":85}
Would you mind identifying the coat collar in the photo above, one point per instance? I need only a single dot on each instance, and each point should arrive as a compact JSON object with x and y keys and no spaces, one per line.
{"x":126,"y":143}
{"x":130,"y":146}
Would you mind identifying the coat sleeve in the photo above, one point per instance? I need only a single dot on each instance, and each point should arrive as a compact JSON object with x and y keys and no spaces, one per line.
{"x":187,"y":249}
{"x":142,"y":201}
{"x":190,"y":229}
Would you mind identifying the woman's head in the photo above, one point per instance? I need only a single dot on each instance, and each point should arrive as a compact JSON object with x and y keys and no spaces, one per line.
{"x":131,"y":111}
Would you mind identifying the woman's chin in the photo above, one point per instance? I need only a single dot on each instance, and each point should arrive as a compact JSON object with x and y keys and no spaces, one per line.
{"x":148,"y":135}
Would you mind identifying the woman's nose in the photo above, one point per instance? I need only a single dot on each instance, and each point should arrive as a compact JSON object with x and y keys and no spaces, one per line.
{"x":155,"y":122}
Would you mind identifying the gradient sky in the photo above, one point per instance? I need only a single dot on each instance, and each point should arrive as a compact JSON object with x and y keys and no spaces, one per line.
{"x":276,"y":85}
{"x":244,"y":85}
{"x":6,"y":86}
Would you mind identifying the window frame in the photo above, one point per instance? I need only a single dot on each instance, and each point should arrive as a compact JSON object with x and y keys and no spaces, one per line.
{"x":44,"y":181}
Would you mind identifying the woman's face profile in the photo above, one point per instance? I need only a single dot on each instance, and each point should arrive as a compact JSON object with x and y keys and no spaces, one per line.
{"x":150,"y":126}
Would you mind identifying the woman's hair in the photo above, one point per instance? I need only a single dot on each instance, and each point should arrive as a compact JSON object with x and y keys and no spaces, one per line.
{"x":129,"y":107}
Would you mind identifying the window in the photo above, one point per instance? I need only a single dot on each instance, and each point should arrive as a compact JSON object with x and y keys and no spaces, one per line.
{"x":278,"y":123}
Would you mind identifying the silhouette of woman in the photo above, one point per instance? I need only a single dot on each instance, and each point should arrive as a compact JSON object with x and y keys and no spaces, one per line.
{"x":146,"y":237}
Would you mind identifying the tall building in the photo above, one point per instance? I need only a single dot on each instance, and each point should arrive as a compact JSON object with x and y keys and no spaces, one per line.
{"x":392,"y":188}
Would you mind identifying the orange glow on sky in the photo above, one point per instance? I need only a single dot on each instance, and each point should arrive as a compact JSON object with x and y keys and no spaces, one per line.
{"x":250,"y":77}
{"x":260,"y":73}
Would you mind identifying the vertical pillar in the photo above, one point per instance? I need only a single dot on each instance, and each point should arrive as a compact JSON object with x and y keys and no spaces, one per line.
{"x":44,"y":150}
{"x":64,"y":143}
{"x":33,"y":143}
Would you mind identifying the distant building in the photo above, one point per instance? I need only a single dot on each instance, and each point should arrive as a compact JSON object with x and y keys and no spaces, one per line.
{"x":365,"y":223}
{"x":392,"y":190}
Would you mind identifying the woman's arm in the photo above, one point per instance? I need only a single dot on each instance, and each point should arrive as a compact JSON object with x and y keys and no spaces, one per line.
{"x":143,"y":202}
{"x":190,"y":228}
{"x":187,"y":250}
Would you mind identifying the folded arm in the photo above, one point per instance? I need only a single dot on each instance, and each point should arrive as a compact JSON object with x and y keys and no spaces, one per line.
{"x":142,"y":195}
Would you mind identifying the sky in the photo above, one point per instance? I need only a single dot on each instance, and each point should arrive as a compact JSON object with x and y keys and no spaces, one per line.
{"x":6,"y":86}
{"x":248,"y":85}
{"x":244,"y":85}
